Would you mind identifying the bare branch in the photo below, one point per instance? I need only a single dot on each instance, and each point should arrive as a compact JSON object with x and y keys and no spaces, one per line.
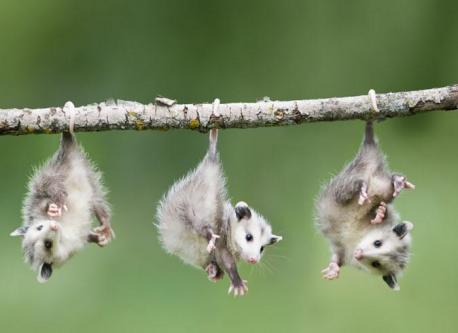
{"x":166,"y":113}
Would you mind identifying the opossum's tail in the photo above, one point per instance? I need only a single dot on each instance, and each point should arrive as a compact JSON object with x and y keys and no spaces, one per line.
{"x":369,"y":138}
{"x":68,"y":139}
{"x":212,"y":151}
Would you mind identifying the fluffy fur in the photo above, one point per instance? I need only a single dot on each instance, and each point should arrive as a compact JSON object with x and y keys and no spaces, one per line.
{"x":355,"y":213}
{"x":197,"y":223}
{"x":62,"y":197}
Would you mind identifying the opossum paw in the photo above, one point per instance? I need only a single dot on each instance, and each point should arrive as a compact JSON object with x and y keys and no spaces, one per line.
{"x":239,"y":289}
{"x":400,"y":183}
{"x":363,"y":196}
{"x":211,"y":243}
{"x":379,"y":214}
{"x":54,"y":210}
{"x":104,"y":235}
{"x":331,"y":272}
{"x":214,"y":273}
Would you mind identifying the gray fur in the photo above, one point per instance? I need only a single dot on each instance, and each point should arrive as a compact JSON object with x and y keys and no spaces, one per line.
{"x":70,"y":182}
{"x":346,"y":223}
{"x":195,"y":208}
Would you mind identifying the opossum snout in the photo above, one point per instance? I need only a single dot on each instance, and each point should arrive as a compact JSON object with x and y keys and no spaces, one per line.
{"x":53,"y":227}
{"x":252,"y":260}
{"x":358,"y":254}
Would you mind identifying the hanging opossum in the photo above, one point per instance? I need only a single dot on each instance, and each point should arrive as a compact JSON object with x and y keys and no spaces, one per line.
{"x":197,"y":222}
{"x":64,"y":194}
{"x":355,"y":213}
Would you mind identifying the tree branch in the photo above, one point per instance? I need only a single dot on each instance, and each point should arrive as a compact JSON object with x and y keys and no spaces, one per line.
{"x":165,"y":114}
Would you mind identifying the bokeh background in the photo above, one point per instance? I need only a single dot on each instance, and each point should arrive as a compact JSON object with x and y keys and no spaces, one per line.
{"x":194,"y":51}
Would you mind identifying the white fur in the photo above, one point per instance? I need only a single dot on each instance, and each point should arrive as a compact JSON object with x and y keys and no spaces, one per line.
{"x":199,"y":200}
{"x":74,"y":224}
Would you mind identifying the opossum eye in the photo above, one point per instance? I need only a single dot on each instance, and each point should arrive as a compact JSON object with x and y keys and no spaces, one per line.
{"x":48,"y":244}
{"x":262,"y":249}
{"x":249,"y":237}
{"x":376,"y":264}
{"x":40,"y":227}
{"x":378,"y":243}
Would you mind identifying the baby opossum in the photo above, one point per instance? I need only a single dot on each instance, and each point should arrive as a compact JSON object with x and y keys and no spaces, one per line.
{"x":355,"y":213}
{"x":63,"y":196}
{"x":197,"y":222}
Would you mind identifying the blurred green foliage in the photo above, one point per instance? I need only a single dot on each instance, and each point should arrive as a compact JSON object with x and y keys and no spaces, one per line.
{"x":86,"y":51}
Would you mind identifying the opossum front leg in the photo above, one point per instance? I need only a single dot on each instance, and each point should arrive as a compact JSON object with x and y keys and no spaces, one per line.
{"x":399,"y":183}
{"x":238,"y":286}
{"x":103,"y":234}
{"x":333,"y":270}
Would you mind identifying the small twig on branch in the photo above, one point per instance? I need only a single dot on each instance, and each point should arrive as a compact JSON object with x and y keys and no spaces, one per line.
{"x":166,"y":113}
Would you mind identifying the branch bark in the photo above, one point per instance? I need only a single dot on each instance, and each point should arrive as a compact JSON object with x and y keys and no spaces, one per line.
{"x":165,"y":114}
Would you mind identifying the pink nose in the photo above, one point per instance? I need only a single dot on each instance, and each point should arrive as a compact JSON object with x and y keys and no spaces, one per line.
{"x":53,"y":227}
{"x":252,"y":261}
{"x":358,"y":254}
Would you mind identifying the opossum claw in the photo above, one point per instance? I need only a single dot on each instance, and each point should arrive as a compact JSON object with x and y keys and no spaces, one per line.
{"x":363,"y":196}
{"x":379,"y":214}
{"x":399,"y":183}
{"x":211,"y":243}
{"x":331,"y":272}
{"x":54,"y":210}
{"x":239,"y":289}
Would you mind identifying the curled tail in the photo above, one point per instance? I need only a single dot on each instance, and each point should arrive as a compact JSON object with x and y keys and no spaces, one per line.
{"x":213,"y":138}
{"x":212,"y":152}
{"x":369,"y":138}
{"x":68,"y":140}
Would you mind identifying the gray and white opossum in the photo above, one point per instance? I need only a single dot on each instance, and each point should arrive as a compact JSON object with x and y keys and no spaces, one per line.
{"x":197,"y":222}
{"x":62,"y":197}
{"x":354,"y":211}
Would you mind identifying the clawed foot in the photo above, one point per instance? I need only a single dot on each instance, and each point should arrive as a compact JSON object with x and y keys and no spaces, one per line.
{"x":103,"y":235}
{"x":399,"y":183}
{"x":214,"y":273}
{"x":331,"y":272}
{"x":379,"y":214}
{"x":363,"y":197}
{"x":54,"y":210}
{"x":211,"y":243}
{"x":239,"y":289}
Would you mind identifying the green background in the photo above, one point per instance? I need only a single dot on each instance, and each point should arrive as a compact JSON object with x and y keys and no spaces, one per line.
{"x":194,"y":51}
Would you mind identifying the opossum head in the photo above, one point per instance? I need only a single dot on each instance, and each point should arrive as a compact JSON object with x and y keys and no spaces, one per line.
{"x":251,"y":233}
{"x":385,"y":251}
{"x":40,"y":244}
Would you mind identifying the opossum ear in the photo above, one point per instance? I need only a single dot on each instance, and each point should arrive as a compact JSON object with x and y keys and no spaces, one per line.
{"x":44,"y":272}
{"x":19,"y":232}
{"x":391,"y":281}
{"x":275,"y":239}
{"x":402,"y":229}
{"x":242,"y":210}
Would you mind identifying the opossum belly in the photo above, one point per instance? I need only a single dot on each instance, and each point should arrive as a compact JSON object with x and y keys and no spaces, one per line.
{"x":79,"y":199}
{"x":179,"y":239}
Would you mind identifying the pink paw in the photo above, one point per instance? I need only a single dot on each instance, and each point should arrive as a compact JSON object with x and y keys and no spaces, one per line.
{"x":213,"y":272}
{"x":363,"y":196}
{"x":211,"y":243}
{"x":380,"y":214}
{"x":331,"y":272}
{"x":104,"y":235}
{"x":54,"y":210}
{"x":400,"y":183}
{"x":239,"y":289}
